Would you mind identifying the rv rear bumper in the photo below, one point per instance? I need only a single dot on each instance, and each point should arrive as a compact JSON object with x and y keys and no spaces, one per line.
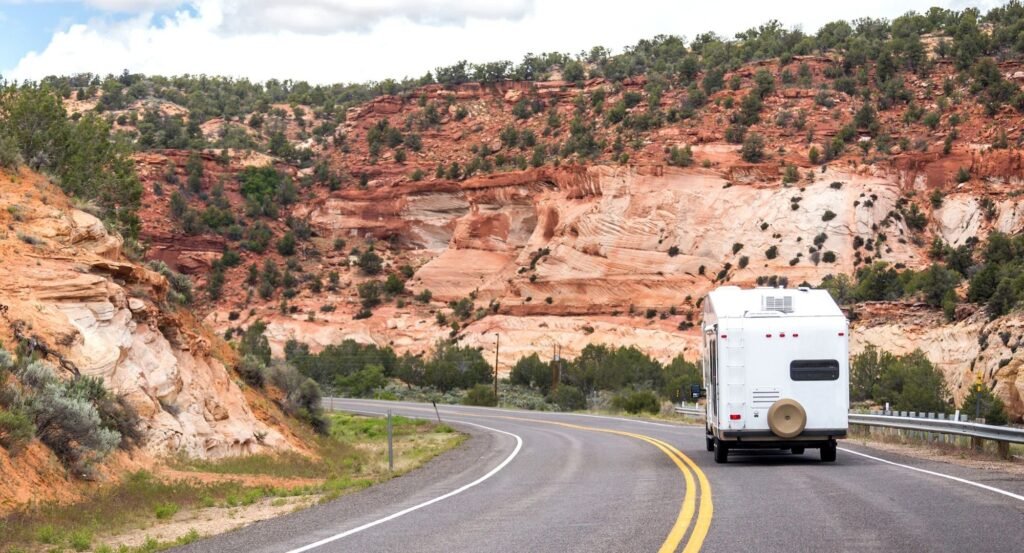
{"x":809,"y":435}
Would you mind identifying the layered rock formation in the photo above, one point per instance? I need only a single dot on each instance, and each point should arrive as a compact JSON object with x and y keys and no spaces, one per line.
{"x":613,"y":246}
{"x":65,"y":284}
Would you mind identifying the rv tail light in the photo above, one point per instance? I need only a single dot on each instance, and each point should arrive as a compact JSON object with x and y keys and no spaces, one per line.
{"x":734,"y":417}
{"x":767,"y":335}
{"x":724,"y":336}
{"x":842,"y":334}
{"x":782,"y":335}
{"x":795,"y":335}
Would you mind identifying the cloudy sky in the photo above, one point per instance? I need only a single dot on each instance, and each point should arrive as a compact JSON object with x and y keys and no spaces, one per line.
{"x":358,"y":40}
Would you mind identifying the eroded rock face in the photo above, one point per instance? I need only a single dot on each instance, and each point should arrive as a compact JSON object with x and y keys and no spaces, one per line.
{"x":573,"y":256}
{"x":103,"y":314}
{"x":965,"y":350}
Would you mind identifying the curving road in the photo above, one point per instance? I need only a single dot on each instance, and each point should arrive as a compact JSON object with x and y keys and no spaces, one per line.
{"x":553,"y":482}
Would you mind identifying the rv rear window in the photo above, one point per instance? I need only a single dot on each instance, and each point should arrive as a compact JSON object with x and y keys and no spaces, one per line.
{"x":814,"y":369}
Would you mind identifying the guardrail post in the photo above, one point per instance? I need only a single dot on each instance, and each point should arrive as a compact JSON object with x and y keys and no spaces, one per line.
{"x":1004,"y":449}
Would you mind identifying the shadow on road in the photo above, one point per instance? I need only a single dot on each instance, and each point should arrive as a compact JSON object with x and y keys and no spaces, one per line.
{"x":771,"y":457}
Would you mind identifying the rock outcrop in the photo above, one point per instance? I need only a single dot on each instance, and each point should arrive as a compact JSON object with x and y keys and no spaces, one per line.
{"x":65,"y":283}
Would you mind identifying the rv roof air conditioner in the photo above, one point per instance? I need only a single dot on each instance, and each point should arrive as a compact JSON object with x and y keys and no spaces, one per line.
{"x":783,"y":304}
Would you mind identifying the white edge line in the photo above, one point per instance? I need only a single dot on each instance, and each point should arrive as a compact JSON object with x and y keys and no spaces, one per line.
{"x":519,"y":446}
{"x":939,"y":474}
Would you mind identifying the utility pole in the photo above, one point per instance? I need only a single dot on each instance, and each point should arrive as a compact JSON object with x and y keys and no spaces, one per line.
{"x":555,"y":372}
{"x":497,"y":342}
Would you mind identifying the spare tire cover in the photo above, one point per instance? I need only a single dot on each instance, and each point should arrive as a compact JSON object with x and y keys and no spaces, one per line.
{"x":787,"y":418}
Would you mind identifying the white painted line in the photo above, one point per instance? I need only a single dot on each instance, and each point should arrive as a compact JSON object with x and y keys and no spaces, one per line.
{"x":495,"y":470}
{"x":939,"y":474}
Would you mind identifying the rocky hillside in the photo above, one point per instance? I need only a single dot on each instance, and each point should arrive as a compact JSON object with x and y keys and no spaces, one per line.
{"x":72,"y":297}
{"x":569,"y":200}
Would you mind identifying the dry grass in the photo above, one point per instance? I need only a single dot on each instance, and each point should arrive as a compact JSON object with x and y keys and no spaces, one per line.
{"x":353,"y":457}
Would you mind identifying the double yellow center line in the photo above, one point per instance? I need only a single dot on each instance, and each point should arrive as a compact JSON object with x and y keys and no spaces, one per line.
{"x":690,"y":502}
{"x":692,"y":474}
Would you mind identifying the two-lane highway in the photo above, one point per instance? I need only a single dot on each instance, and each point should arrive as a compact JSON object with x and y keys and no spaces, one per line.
{"x":540,"y":482}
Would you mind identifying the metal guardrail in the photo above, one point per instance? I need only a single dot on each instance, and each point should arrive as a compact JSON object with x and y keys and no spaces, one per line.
{"x":939,"y":426}
{"x":691,"y":411}
{"x":1002,"y":435}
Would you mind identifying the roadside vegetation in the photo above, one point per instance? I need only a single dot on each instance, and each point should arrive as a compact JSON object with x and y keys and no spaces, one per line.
{"x":913,"y":383}
{"x":994,"y":273}
{"x":458,"y":374}
{"x":350,"y":457}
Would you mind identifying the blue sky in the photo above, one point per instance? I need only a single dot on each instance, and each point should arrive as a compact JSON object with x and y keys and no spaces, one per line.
{"x":327,"y":41}
{"x":29,"y":27}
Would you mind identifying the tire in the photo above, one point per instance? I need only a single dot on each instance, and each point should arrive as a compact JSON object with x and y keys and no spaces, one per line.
{"x":787,"y":418}
{"x":828,"y":453}
{"x":710,"y":443}
{"x":798,"y":451}
{"x":721,"y":452}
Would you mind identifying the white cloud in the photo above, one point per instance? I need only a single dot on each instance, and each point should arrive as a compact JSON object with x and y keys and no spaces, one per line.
{"x":332,"y":41}
{"x":132,"y":5}
{"x":330,"y":16}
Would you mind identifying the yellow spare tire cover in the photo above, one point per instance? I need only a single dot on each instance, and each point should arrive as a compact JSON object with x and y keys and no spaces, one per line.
{"x":787,"y":418}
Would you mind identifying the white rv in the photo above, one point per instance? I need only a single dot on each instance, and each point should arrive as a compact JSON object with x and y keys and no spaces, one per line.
{"x":776,"y":370}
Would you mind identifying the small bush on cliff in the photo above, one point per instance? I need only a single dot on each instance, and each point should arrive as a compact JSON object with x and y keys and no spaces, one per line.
{"x":680,"y":157}
{"x":813,"y":155}
{"x":16,"y":430}
{"x":65,"y":417}
{"x":370,"y":263}
{"x":752,"y":150}
{"x":252,"y":370}
{"x":254,"y":343}
{"x":181,"y":285}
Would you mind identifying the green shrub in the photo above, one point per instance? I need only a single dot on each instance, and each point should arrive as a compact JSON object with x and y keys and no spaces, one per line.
{"x":680,"y":157}
{"x":362,"y":383}
{"x":963,"y":175}
{"x":532,"y":372}
{"x":980,"y":401}
{"x":908,"y":383}
{"x":10,"y":157}
{"x":16,"y":430}
{"x":568,"y":398}
{"x":286,"y":245}
{"x":481,"y":395}
{"x":66,"y":420}
{"x":252,"y":370}
{"x":639,"y":401}
{"x":394,"y":285}
{"x":752,"y":150}
{"x":165,"y":511}
{"x":370,"y":262}
{"x":80,"y":540}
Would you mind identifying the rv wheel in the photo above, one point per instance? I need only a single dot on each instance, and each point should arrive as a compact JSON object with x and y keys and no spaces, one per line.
{"x":710,"y":442}
{"x":721,"y":453}
{"x":828,"y":453}
{"x":798,"y":451}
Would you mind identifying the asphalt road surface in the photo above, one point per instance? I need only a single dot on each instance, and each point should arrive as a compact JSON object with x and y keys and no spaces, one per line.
{"x":551,"y":482}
